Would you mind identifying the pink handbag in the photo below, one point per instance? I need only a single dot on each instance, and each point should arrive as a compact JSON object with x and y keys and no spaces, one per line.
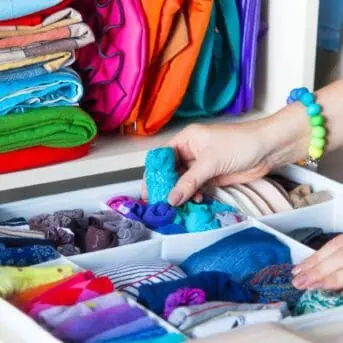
{"x":113,"y":67}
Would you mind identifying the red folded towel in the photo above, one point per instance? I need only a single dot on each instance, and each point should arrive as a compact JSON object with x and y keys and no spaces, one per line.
{"x":36,"y":18}
{"x":38,"y":157}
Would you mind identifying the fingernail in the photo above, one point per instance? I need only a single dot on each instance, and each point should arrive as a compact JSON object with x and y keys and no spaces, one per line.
{"x":175,"y":198}
{"x":296,"y":270}
{"x":300,"y":282}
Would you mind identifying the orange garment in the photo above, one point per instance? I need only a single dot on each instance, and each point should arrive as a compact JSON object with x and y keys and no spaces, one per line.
{"x":176,"y":46}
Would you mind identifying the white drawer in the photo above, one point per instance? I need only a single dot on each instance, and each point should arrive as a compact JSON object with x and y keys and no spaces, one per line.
{"x":168,"y":247}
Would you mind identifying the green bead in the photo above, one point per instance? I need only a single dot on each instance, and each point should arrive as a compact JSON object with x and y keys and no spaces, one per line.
{"x":318,"y":142}
{"x":317,"y":120}
{"x":315,"y":153}
{"x":318,"y":132}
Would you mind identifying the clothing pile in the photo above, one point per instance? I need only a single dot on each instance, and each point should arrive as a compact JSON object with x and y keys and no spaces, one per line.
{"x":79,"y":307}
{"x":179,"y":58}
{"x":40,"y":120}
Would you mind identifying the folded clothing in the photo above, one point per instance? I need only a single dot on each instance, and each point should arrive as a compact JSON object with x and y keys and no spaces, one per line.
{"x":112,"y":80}
{"x":274,"y":284}
{"x":39,"y":156}
{"x":15,"y":223}
{"x":217,"y":287}
{"x":23,"y":242}
{"x":186,"y":317}
{"x":124,"y":330}
{"x":16,"y":280}
{"x":14,"y":8}
{"x":36,"y":17}
{"x":129,"y":277}
{"x":230,"y":321}
{"x":239,"y":255}
{"x":62,"y":31}
{"x":55,"y":316}
{"x":27,"y":256}
{"x":62,"y":88}
{"x":168,"y":338}
{"x":85,"y":327}
{"x":60,"y":127}
{"x":26,"y":299}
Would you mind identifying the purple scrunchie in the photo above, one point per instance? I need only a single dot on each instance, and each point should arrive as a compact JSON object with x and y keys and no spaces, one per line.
{"x":183,"y":297}
{"x":116,"y":201}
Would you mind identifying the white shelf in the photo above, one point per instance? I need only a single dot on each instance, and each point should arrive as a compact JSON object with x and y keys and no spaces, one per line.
{"x":111,"y":154}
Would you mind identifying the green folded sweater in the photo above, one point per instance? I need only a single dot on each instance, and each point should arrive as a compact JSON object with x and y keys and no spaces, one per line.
{"x":59,"y":127}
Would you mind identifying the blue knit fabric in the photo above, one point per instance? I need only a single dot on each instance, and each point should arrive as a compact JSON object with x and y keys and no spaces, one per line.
{"x":240,"y":255}
{"x":217,"y":286}
{"x":160,"y":174}
{"x":169,"y":338}
{"x":274,"y":284}
{"x":149,"y":333}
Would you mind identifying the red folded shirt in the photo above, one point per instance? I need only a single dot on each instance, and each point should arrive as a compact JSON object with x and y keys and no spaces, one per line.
{"x":38,"y":157}
{"x":36,"y":18}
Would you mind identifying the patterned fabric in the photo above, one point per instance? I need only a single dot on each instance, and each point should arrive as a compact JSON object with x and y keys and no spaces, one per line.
{"x":129,"y":277}
{"x":274,"y":284}
{"x":15,"y":223}
{"x":316,"y":301}
{"x":26,"y":256}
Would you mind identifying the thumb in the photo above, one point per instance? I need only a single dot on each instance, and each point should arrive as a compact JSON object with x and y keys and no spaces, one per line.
{"x":189,"y":183}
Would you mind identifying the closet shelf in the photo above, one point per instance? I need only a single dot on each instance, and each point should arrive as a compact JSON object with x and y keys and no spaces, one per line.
{"x":110,"y":154}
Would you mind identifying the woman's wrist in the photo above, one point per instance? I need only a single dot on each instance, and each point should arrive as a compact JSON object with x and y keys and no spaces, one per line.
{"x":286,"y":136}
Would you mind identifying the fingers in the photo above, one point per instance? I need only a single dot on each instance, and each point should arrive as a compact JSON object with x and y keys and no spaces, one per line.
{"x":323,"y":270}
{"x":190,"y":182}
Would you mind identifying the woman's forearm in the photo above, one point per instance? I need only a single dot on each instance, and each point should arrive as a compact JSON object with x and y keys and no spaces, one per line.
{"x":286,"y":136}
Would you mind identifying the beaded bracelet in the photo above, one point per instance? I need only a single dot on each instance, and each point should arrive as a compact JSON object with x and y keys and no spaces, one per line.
{"x":317,"y":122}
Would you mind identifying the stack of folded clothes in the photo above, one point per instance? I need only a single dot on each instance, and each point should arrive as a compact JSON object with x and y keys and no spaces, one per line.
{"x":39,"y":114}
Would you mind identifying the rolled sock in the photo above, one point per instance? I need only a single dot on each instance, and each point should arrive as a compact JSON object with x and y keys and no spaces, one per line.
{"x":186,"y":317}
{"x":86,"y":327}
{"x":228,"y":322}
{"x":159,"y":214}
{"x":74,"y":294}
{"x":99,"y":219}
{"x":133,"y":210}
{"x":57,"y":315}
{"x":16,"y":280}
{"x":99,"y":239}
{"x":123,"y":330}
{"x":127,"y":231}
{"x":116,"y":201}
{"x":228,"y":218}
{"x":217,"y":286}
{"x":27,"y":256}
{"x":183,"y":296}
{"x":274,"y":284}
{"x":161,"y":175}
{"x":13,"y":232}
{"x":68,"y":250}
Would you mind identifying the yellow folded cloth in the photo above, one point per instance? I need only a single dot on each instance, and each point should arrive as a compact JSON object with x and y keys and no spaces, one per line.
{"x":16,"y":280}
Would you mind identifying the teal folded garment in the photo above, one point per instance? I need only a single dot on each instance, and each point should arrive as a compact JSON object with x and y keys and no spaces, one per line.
{"x":61,"y":88}
{"x":215,"y":80}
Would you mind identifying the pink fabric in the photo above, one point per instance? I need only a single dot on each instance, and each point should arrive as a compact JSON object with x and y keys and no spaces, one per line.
{"x":113,"y":68}
{"x":117,"y":201}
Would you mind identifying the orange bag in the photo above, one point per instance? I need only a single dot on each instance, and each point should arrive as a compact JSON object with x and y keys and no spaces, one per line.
{"x":175,"y":42}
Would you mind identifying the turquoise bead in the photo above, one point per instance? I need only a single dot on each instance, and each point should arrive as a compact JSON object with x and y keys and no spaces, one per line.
{"x":307,"y":99}
{"x":319,"y":132}
{"x":313,"y":110}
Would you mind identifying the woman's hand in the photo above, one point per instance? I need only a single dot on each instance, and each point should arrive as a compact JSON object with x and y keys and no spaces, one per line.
{"x":227,"y":154}
{"x":323,"y":270}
